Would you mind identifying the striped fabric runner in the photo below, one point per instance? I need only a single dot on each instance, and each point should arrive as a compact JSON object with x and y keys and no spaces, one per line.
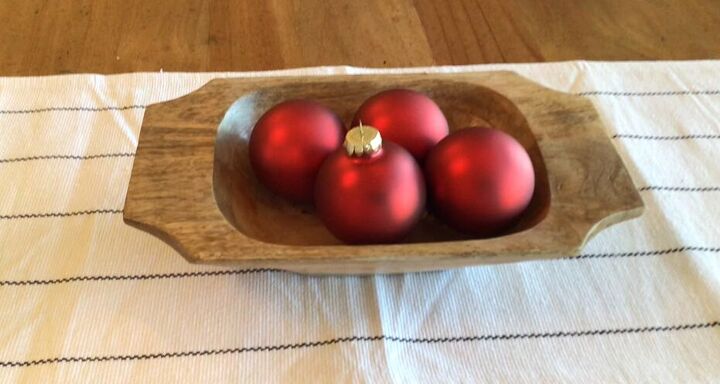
{"x":85,"y":298}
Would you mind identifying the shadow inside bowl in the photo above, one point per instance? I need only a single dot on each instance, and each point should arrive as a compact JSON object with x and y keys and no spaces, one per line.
{"x":261,"y":215}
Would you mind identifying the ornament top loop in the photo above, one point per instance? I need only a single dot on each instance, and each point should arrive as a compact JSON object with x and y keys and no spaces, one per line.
{"x":362,"y":140}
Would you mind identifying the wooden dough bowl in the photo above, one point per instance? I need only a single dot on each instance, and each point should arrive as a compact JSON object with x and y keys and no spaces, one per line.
{"x":192,"y":185}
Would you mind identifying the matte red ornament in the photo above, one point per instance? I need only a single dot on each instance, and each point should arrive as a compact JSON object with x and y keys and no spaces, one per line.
{"x":479,"y":180}
{"x":369,"y":192}
{"x":405,"y":117}
{"x":288,"y":145}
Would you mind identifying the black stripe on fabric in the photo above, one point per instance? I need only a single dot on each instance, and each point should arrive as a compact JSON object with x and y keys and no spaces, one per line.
{"x":358,"y":339}
{"x":67,"y":157}
{"x":237,"y":272}
{"x":153,"y":276}
{"x":60,"y":214}
{"x":131,"y":154}
{"x":664,"y":138}
{"x":71,"y":109}
{"x":678,"y":189}
{"x":650,"y":93}
{"x":657,"y":252}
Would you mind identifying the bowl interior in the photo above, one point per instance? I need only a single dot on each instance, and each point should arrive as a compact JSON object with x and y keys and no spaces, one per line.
{"x":261,"y":215}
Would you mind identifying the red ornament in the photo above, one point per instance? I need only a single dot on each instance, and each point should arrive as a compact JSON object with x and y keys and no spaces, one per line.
{"x":369,"y":192}
{"x":405,"y":117}
{"x":479,"y":180}
{"x":288,"y":145}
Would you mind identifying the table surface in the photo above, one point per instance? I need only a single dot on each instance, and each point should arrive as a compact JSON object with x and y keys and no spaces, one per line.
{"x":103,"y":36}
{"x":84,"y":297}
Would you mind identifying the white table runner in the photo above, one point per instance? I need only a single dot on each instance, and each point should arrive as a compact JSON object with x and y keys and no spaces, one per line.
{"x":84,"y":298}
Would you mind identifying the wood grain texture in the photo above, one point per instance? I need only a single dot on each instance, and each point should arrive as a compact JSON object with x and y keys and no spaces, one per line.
{"x":109,"y":36}
{"x":192,"y":185}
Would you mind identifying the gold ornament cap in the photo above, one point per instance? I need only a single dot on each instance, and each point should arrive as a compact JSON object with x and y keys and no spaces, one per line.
{"x":362,"y":140}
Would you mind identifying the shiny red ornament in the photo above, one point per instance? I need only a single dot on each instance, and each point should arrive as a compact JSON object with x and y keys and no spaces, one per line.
{"x":405,"y":117}
{"x":288,"y":145}
{"x":371,"y":198}
{"x":479,"y":180}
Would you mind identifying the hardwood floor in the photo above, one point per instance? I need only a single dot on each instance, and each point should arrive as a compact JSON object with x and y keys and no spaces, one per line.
{"x":69,"y":36}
